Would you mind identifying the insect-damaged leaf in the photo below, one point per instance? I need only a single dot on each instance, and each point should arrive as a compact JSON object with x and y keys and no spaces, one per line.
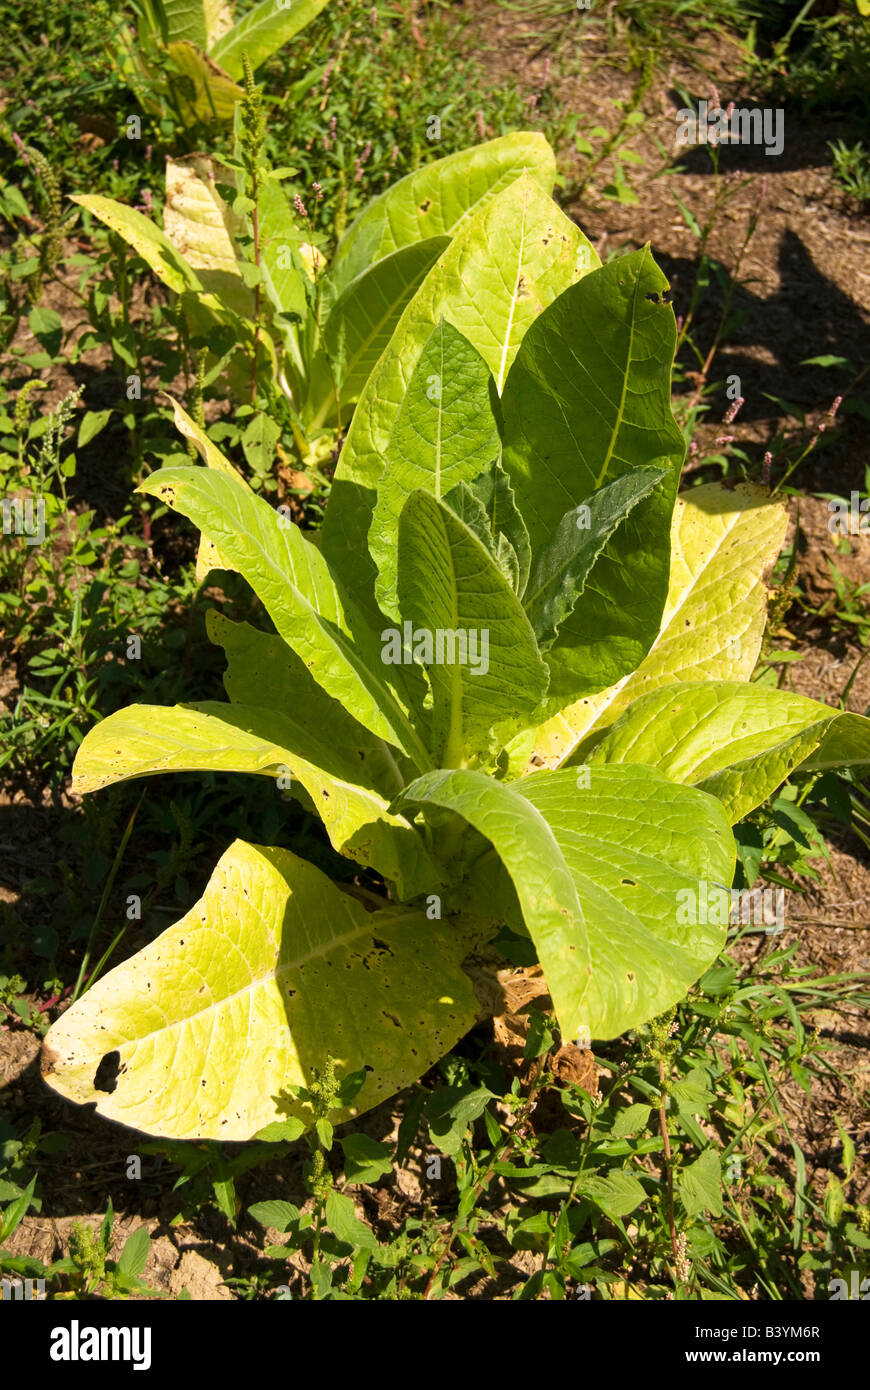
{"x":211,"y":1023}
{"x":736,"y":739}
{"x":602,"y":864}
{"x":722,"y":544}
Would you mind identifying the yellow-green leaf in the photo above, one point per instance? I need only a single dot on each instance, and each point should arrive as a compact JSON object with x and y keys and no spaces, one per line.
{"x":736,"y":740}
{"x":203,"y":227}
{"x":146,"y":239}
{"x":205,"y":87}
{"x":723,"y":543}
{"x":262,"y":31}
{"x":340,"y":782}
{"x":510,"y":260}
{"x":208,"y":557}
{"x":438,"y":200}
{"x":200,"y":1034}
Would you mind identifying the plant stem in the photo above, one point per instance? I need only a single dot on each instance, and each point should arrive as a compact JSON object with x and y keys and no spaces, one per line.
{"x":666,"y":1139}
{"x":255,"y":221}
{"x":110,"y":882}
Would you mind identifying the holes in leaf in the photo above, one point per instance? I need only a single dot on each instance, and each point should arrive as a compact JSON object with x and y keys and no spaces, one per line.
{"x":106,"y":1075}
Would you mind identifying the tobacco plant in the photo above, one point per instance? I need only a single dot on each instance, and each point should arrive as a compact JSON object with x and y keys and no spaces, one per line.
{"x":258,"y":295}
{"x":190,"y":53}
{"x":512,"y":679}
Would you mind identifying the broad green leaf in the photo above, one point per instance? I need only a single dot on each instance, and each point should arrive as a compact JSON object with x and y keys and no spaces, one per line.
{"x":636,"y":845}
{"x":205,"y":88}
{"x":262,"y":31}
{"x":147,"y":740}
{"x":545,"y":888}
{"x":134,"y":1256}
{"x":365,"y":1159}
{"x":438,"y":199}
{"x":723,"y":542}
{"x":260,"y":436}
{"x":614,"y":947}
{"x":445,"y":433}
{"x":561,"y":566}
{"x":617,"y":1194}
{"x":263,"y":670}
{"x":92,"y":422}
{"x":277,"y":1214}
{"x":692,"y":1093}
{"x":630,"y":1121}
{"x":203,"y":228}
{"x":345,"y":1225}
{"x":510,"y":260}
{"x":146,"y":239}
{"x":736,"y":740}
{"x":272,"y":969}
{"x":700,"y":1185}
{"x":587,"y":401}
{"x":280,"y":239}
{"x":280,"y":1132}
{"x":46,"y":325}
{"x":493,"y":490}
{"x":362,"y":320}
{"x":208,"y":557}
{"x":465,"y":505}
{"x":483,"y":664}
{"x":294,"y":582}
{"x":184,"y":19}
